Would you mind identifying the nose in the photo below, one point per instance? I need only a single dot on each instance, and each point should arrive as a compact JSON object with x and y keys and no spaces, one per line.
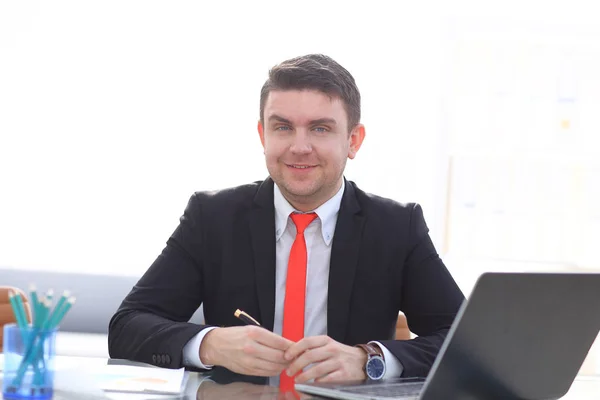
{"x":301,"y":142}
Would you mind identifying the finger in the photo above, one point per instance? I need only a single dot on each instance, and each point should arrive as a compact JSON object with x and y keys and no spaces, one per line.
{"x":258,"y":367}
{"x":269,"y":339}
{"x":319,"y":370}
{"x":266,"y":353}
{"x":307,"y":343}
{"x":335,"y":376}
{"x":311,"y":356}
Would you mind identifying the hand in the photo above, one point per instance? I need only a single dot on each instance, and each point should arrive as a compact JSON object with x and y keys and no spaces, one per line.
{"x":332,"y":360}
{"x":248,"y":350}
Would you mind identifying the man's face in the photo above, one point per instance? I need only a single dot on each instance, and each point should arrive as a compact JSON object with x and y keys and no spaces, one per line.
{"x":306,"y":143}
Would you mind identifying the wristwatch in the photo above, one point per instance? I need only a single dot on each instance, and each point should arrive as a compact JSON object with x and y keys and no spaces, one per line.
{"x":375,"y":365}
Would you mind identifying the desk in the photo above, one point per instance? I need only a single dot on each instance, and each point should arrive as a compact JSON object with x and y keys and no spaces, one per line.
{"x":224,"y":385}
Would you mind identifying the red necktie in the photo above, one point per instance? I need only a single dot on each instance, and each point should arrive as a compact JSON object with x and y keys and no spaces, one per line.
{"x":295,"y":290}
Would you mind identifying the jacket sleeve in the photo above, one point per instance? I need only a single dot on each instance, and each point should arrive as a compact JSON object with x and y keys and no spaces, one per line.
{"x":430,"y":300}
{"x":151,"y":323}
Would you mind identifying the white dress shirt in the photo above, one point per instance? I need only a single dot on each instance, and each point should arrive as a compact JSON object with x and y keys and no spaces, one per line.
{"x":318,"y":236}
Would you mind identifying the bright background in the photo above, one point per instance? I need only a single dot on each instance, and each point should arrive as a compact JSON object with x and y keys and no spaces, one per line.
{"x":113,"y":113}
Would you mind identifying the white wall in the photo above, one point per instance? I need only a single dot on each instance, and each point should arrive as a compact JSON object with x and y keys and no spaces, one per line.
{"x":112,"y":113}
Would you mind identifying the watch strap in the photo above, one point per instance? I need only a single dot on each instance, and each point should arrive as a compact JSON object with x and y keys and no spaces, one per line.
{"x":371,"y":350}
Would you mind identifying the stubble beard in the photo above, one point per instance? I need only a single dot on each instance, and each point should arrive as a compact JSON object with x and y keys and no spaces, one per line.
{"x":317,"y":191}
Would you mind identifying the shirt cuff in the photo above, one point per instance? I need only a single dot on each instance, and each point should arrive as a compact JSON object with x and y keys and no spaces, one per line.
{"x":393,"y":366}
{"x":191,"y":350}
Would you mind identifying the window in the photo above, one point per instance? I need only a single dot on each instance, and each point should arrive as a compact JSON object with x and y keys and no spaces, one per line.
{"x":522,"y":122}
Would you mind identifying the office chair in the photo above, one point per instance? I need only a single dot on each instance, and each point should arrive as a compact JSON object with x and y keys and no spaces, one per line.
{"x":6,"y":312}
{"x":402,"y":331}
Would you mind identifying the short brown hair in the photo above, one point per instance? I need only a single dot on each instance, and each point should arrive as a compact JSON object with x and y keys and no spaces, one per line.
{"x":314,"y":72}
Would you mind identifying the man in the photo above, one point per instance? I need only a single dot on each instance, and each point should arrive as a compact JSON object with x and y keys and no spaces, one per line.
{"x":322,"y":265}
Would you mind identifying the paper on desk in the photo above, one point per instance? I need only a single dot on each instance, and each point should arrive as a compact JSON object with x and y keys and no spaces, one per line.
{"x":125,"y":378}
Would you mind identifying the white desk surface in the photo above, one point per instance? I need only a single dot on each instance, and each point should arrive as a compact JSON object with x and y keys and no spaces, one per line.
{"x":584,"y":387}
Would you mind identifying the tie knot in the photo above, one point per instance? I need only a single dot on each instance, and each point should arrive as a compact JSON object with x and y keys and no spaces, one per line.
{"x":302,"y":221}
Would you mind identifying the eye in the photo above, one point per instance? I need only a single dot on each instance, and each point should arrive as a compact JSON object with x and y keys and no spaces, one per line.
{"x":282,"y":128}
{"x":320,"y":129}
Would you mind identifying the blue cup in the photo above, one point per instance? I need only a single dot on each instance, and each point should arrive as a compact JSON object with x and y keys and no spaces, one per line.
{"x":29,"y":355}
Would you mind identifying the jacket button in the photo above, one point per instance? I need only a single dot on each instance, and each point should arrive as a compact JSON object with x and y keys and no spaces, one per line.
{"x":168,"y":359}
{"x":163,"y":359}
{"x":154,"y":358}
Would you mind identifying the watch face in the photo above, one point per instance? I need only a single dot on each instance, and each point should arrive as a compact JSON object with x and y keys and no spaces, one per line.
{"x":375,"y":368}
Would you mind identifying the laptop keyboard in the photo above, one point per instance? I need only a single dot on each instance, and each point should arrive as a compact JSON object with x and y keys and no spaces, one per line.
{"x":392,"y":390}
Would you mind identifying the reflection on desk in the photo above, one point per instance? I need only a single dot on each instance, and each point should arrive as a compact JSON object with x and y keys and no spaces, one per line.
{"x":209,"y":390}
{"x":218,"y":384}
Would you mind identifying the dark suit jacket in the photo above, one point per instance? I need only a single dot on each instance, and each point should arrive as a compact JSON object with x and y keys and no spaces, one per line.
{"x":222,"y":255}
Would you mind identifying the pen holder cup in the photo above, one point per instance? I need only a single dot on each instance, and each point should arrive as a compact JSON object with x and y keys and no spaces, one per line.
{"x":28,"y":362}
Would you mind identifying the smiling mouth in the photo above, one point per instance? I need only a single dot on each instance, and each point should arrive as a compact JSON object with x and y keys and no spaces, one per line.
{"x":298,"y":166}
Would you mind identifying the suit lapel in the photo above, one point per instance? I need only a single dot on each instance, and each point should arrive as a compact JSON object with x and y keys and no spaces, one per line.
{"x":262,"y":232}
{"x":343,"y":263}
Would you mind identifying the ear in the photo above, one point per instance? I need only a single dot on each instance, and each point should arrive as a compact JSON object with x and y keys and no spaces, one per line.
{"x":357,"y":135}
{"x":261,"y":133}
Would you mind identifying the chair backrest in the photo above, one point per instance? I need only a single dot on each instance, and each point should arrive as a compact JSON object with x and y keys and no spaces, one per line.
{"x":6,"y":312}
{"x":402,"y":331}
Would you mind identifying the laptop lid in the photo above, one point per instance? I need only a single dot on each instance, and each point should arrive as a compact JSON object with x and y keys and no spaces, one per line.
{"x":519,"y":336}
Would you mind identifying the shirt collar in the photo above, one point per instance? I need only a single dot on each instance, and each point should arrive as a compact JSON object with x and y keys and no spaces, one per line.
{"x":326,"y":213}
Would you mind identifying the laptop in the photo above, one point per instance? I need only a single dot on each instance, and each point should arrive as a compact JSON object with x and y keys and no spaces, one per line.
{"x":519,"y":336}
